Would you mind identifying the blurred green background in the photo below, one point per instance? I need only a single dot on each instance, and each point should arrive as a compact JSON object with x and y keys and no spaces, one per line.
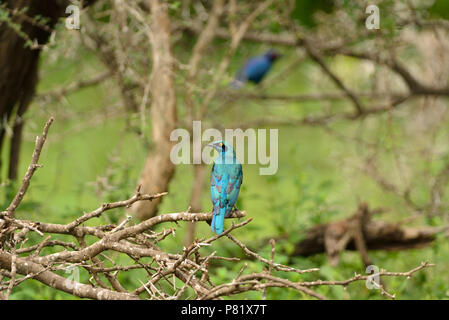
{"x":92,"y":157}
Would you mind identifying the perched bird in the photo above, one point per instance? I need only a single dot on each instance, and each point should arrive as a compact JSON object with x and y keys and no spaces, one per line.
{"x":226,"y":179}
{"x":255,"y":68}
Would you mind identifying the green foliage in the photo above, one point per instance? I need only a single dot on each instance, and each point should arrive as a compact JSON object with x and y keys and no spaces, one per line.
{"x":440,"y":9}
{"x":305,"y":10}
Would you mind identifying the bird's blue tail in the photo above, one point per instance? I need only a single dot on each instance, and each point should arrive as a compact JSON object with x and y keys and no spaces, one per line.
{"x":218,"y":221}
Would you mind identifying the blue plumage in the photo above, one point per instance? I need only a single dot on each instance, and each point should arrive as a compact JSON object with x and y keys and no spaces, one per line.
{"x":226,"y":179}
{"x":255,"y":68}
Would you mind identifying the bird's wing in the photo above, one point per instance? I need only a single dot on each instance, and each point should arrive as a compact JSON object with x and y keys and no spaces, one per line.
{"x":257,"y":68}
{"x":215,"y":187}
{"x":224,"y":190}
{"x":233,"y":188}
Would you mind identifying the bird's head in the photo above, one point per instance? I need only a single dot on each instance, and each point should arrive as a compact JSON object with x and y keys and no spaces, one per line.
{"x":273,"y":55}
{"x":222,"y":147}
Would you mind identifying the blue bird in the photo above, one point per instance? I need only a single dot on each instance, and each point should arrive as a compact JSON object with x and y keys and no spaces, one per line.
{"x":225,"y":182}
{"x":255,"y":68}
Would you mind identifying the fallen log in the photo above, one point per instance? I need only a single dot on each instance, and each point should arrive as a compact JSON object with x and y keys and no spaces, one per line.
{"x":361,"y":233}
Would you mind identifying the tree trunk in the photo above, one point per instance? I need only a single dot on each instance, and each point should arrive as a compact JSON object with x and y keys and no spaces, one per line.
{"x":195,"y":201}
{"x":19,"y":63}
{"x":159,"y":169}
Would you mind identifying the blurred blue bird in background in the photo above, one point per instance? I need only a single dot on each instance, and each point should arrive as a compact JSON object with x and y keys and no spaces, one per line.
{"x":225,"y":182}
{"x":255,"y":69}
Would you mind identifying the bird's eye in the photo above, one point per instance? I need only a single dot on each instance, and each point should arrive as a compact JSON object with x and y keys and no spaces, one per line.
{"x":223,"y":147}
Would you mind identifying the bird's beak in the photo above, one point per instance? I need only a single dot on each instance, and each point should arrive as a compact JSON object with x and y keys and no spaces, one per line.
{"x":212,"y":145}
